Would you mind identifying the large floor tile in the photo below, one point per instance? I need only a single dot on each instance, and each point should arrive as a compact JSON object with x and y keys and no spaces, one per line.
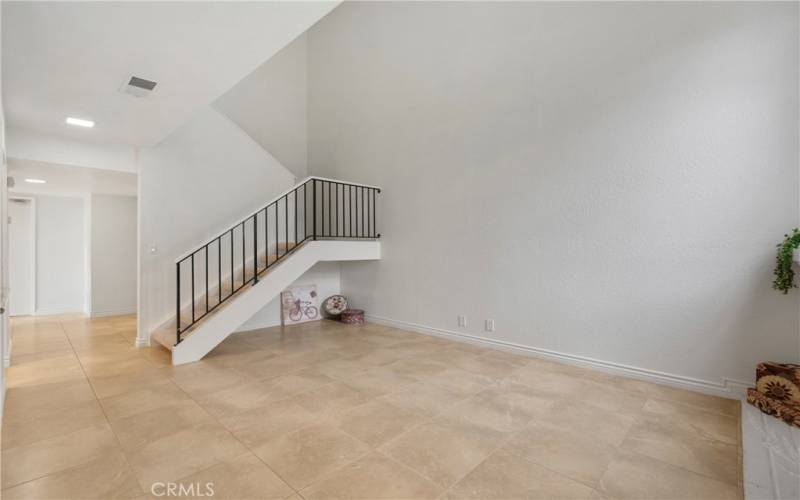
{"x":372,"y":477}
{"x":661,"y":438}
{"x":503,"y":476}
{"x":114,"y":385}
{"x":204,"y":378}
{"x":259,"y":425}
{"x":379,"y":381}
{"x":45,"y":370}
{"x":417,"y":367}
{"x":310,"y":453}
{"x":444,"y":450}
{"x":488,"y":366}
{"x":636,"y":477}
{"x":155,"y":395}
{"x":20,"y":429}
{"x":39,"y":343}
{"x":706,"y":424}
{"x":239,"y":478}
{"x":460,"y":382}
{"x":574,"y":416}
{"x":243,"y":397}
{"x":424,"y":399}
{"x":550,"y":383}
{"x":376,"y":422}
{"x":109,"y":476}
{"x":501,"y":410}
{"x":332,"y":398}
{"x":141,"y":428}
{"x":183,"y":453}
{"x":55,"y":454}
{"x":580,"y":457}
{"x":45,"y":399}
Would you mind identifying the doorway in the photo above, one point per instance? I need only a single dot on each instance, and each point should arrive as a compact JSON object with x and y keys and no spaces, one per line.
{"x":21,"y":256}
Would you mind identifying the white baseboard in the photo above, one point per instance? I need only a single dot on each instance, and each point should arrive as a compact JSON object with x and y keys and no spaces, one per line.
{"x":732,"y":389}
{"x":7,"y":357}
{"x":115,"y":312}
{"x":52,"y":312}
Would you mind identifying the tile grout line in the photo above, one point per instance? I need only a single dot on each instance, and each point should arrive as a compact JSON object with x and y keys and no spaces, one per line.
{"x":235,"y":437}
{"x":105,"y":415}
{"x":96,"y":400}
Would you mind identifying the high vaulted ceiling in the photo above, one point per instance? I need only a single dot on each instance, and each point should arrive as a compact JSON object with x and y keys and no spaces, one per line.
{"x":72,"y":58}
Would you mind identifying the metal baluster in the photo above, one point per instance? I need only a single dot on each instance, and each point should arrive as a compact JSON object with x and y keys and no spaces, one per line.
{"x":178,"y":303}
{"x":286,"y":222}
{"x":350,"y":211}
{"x":266,"y":236}
{"x":255,"y":248}
{"x":330,"y":226}
{"x":295,"y":215}
{"x":277,"y":252}
{"x":233,"y":284}
{"x":192,"y":289}
{"x":206,"y":276}
{"x":363,"y":210}
{"x":314,"y":202}
{"x":336,"y":204}
{"x":219,"y":269}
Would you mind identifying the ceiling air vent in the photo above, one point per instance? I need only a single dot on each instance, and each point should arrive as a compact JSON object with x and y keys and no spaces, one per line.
{"x":138,"y":87}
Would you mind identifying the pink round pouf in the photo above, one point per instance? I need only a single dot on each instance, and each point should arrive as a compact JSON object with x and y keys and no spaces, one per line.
{"x":353,"y":316}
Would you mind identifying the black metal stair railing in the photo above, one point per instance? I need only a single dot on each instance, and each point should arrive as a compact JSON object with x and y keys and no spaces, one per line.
{"x":316,"y":208}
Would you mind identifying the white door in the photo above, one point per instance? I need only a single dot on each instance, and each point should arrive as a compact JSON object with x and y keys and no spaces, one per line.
{"x":20,"y":257}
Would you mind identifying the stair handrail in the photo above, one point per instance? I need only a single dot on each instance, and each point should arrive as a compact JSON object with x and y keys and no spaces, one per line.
{"x":352,"y":221}
{"x":273,"y":200}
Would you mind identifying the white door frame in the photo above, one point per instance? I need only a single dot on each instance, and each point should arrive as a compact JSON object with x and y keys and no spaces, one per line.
{"x":32,"y":201}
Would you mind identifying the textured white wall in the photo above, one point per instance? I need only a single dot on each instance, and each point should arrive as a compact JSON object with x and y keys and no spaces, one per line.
{"x":113,"y":254}
{"x":199,"y":181}
{"x":60,"y":254}
{"x":605,"y":180}
{"x":270,"y":105}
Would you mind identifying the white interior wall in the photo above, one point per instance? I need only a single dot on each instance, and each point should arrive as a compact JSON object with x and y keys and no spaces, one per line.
{"x":600,"y":199}
{"x":270,"y":106}
{"x":326,"y":275}
{"x":194,"y":185}
{"x":113,"y":254}
{"x":60,"y":254}
{"x":5,"y":347}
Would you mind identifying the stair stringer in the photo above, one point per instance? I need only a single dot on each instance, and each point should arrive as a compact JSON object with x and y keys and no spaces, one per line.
{"x":217,"y":326}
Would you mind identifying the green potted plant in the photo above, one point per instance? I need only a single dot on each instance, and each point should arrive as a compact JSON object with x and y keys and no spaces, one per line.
{"x":784,"y":274}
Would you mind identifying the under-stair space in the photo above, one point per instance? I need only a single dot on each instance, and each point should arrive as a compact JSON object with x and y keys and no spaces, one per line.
{"x":225,"y":281}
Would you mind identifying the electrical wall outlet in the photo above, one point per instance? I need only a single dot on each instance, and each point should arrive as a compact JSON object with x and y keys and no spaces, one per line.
{"x":462,"y":321}
{"x":489,"y":325}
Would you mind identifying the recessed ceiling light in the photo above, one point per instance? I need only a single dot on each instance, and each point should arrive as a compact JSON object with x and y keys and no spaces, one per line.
{"x":36,"y":181}
{"x":80,"y":122}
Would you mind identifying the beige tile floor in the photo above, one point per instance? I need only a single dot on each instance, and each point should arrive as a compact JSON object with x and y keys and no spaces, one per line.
{"x":326,"y":410}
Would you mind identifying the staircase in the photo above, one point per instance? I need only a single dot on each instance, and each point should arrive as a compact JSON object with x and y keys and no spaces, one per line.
{"x":224,"y":282}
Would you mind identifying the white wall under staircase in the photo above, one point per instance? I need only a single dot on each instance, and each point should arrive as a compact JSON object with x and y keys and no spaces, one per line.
{"x":214,"y":328}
